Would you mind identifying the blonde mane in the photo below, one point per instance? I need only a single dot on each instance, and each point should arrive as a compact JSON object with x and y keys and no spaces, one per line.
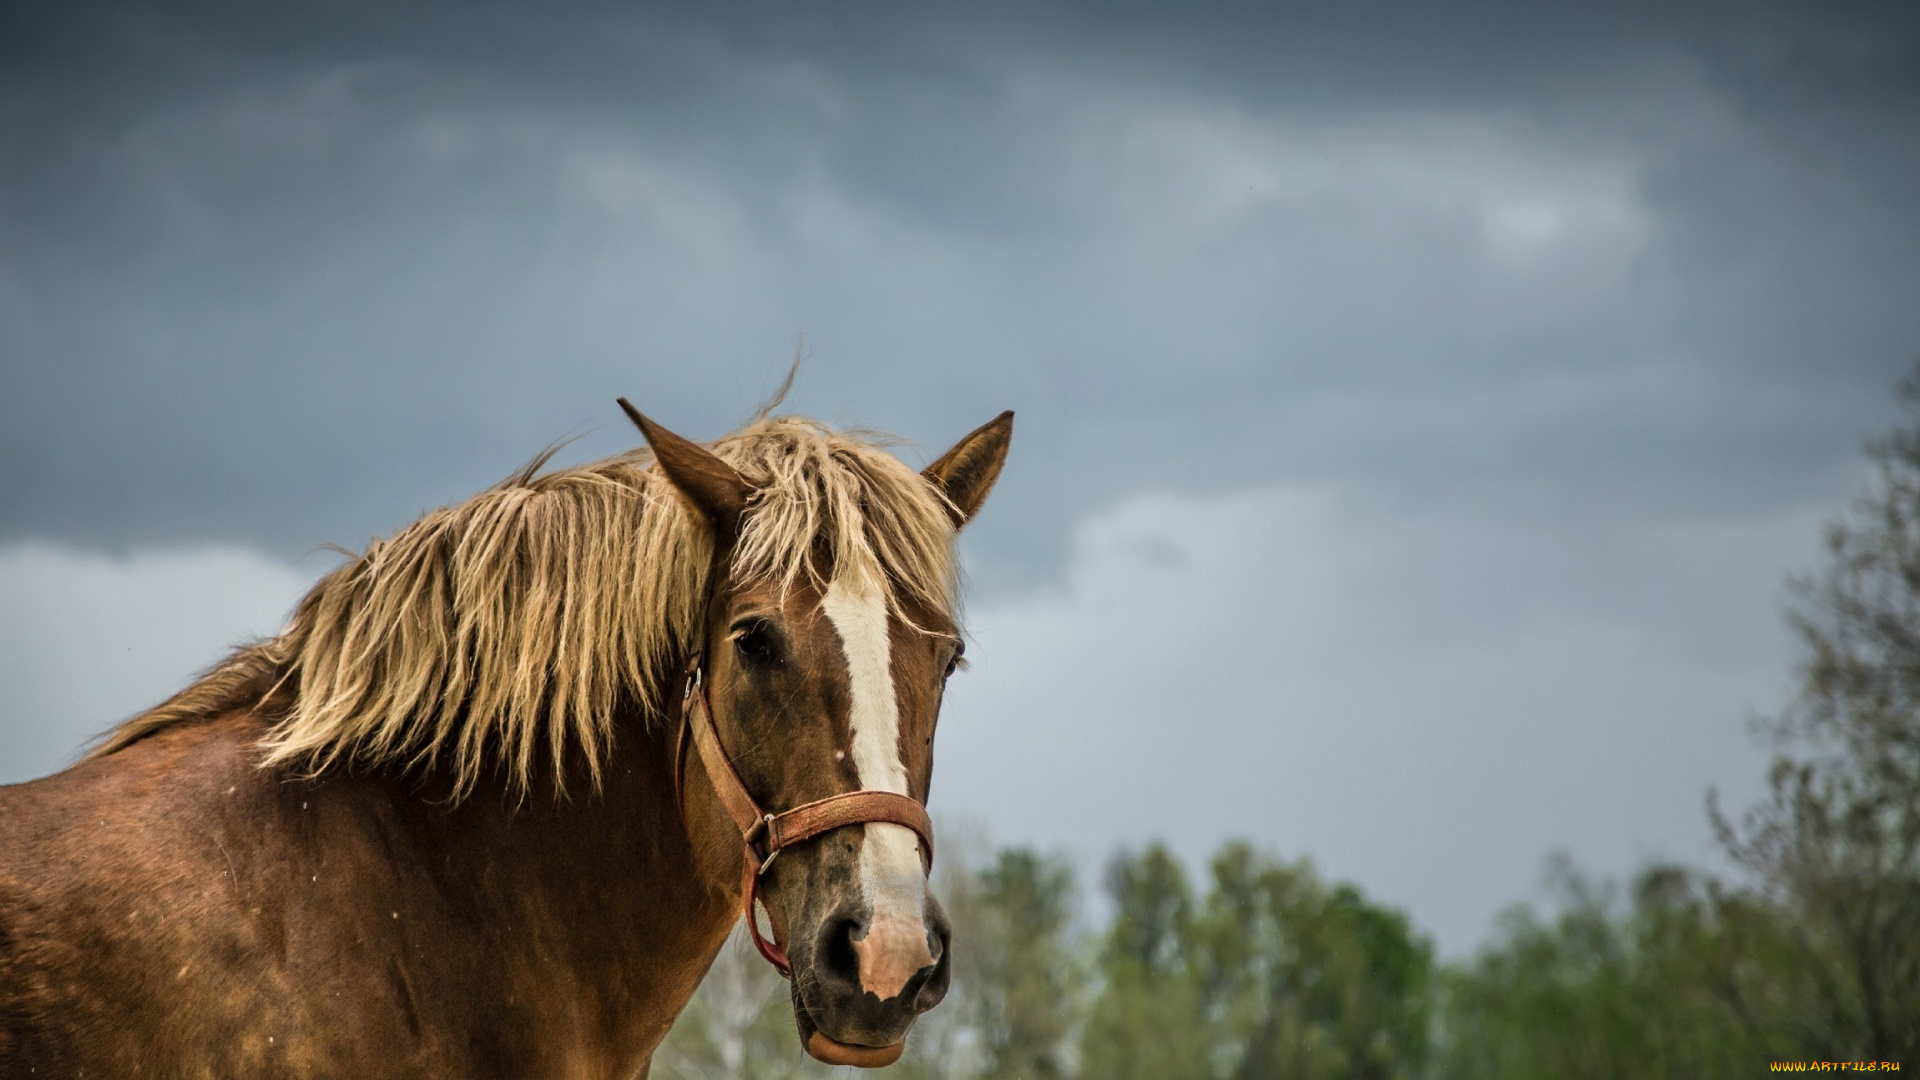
{"x":509,"y":626}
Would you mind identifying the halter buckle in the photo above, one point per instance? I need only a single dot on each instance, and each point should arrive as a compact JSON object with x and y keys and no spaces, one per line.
{"x":762,"y":828}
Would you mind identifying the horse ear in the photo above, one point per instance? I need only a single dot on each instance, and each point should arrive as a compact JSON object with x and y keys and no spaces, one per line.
{"x":712,"y":485}
{"x":966,"y":473}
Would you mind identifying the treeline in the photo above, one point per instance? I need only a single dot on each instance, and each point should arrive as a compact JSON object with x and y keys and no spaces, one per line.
{"x":1270,"y":972}
{"x":1264,"y":970}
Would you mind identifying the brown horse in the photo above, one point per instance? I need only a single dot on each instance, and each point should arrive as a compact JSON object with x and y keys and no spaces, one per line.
{"x":446,"y":824}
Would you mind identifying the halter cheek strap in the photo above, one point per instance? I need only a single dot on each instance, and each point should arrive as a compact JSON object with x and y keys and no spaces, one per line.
{"x":767,"y":835}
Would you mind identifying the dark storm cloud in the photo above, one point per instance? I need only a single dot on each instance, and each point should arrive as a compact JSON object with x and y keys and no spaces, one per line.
{"x":288,"y":276}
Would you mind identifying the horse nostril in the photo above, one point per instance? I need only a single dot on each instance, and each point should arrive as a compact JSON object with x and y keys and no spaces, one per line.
{"x":929,"y":985}
{"x":838,"y":955}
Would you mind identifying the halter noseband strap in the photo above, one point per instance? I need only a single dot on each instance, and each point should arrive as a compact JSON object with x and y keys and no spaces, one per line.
{"x":766,"y":835}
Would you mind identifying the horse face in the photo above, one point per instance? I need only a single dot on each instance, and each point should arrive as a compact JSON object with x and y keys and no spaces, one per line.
{"x":818,"y":692}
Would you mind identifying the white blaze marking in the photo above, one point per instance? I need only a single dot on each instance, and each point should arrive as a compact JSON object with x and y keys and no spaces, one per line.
{"x":860,"y":617}
{"x":891,"y":879}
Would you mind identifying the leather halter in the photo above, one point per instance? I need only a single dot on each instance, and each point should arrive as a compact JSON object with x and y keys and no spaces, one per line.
{"x":766,"y":835}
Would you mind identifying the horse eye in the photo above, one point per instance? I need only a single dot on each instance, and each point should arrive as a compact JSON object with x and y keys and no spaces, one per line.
{"x":755,"y":644}
{"x":956,"y":661}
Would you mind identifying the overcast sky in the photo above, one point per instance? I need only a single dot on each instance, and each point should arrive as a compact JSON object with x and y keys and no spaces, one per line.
{"x":1419,"y":405}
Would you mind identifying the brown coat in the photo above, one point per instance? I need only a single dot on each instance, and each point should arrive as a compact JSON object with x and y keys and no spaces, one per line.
{"x":173,"y":903}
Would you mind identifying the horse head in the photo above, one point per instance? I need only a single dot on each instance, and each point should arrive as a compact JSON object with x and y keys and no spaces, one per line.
{"x":815,"y":686}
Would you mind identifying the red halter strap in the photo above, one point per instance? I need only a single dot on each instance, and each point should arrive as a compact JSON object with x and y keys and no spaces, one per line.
{"x":766,"y":835}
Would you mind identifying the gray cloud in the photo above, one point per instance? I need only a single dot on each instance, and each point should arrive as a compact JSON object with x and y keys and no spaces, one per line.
{"x":88,"y":641}
{"x":1424,"y":705}
{"x":294,"y":277}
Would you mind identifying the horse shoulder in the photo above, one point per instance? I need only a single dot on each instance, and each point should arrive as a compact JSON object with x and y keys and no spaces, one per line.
{"x":149,"y":891}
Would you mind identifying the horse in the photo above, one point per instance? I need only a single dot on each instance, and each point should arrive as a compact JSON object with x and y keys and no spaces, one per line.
{"x":491,"y":803}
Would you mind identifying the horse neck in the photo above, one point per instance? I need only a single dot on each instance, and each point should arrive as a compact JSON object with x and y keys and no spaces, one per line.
{"x":614,"y":883}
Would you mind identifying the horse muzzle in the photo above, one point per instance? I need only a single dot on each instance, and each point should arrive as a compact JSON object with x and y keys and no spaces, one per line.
{"x":850,"y":961}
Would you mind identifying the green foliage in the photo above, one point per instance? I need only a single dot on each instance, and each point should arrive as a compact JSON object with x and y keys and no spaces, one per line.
{"x":1274,"y":974}
{"x":1688,"y":981}
{"x":1146,"y":1023}
{"x":1029,"y":993}
{"x":1301,"y":980}
{"x":1838,"y":839}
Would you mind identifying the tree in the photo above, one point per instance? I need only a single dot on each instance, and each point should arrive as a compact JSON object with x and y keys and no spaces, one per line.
{"x":1838,"y":838}
{"x":1275,"y":974}
{"x":1296,"y":979}
{"x":1029,"y":984}
{"x":1689,"y":980}
{"x":1146,"y":1023}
